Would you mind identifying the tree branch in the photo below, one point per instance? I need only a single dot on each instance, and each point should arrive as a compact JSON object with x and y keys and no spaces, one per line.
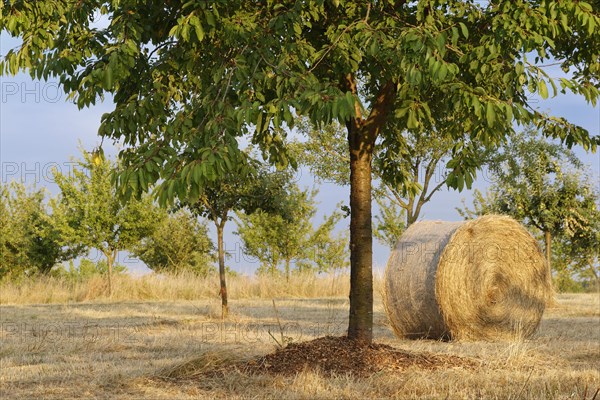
{"x":379,"y":112}
{"x":396,"y":197}
{"x":435,"y":189}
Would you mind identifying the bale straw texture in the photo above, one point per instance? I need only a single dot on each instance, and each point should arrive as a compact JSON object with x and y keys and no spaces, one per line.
{"x":484,"y":279}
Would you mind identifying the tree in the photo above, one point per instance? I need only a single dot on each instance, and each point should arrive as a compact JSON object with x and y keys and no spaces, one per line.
{"x":29,"y":241}
{"x":250,"y":188}
{"x":574,"y":270}
{"x":13,"y":240}
{"x":189,"y":79}
{"x":540,"y":184}
{"x":289,"y":237}
{"x":400,"y":204}
{"x":325,"y":154}
{"x":390,"y":223}
{"x":584,"y":245}
{"x":179,"y":243}
{"x":329,"y":252}
{"x":90,"y":215}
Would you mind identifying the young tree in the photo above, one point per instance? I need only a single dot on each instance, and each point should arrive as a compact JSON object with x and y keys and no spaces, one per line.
{"x":188,"y":79}
{"x":540,"y":184}
{"x":390,"y":223}
{"x":29,"y":241}
{"x":179,"y":242}
{"x":13,"y":240}
{"x":249,"y":188}
{"x":583,"y":248}
{"x":86,"y":269}
{"x":89,"y":214}
{"x":288,"y":236}
{"x":328,"y":252}
{"x":576,"y":264}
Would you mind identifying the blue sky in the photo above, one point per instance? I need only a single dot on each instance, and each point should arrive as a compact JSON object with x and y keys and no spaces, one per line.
{"x":40,"y":130}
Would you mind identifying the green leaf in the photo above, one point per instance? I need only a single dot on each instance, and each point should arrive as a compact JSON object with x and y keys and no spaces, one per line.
{"x":469,"y":180}
{"x":460,"y":182}
{"x":195,"y":22}
{"x":564,"y":21}
{"x":210,"y":18}
{"x":443,"y":72}
{"x":108,"y":78}
{"x":259,"y":122}
{"x":401,"y":112}
{"x":476,"y":106}
{"x":199,"y":32}
{"x":509,"y":112}
{"x":297,"y":29}
{"x":351,"y":101}
{"x":412,"y":121}
{"x":185,"y":33}
{"x":464,"y":29}
{"x":543,"y":89}
{"x":490,"y":114}
{"x":591,"y":25}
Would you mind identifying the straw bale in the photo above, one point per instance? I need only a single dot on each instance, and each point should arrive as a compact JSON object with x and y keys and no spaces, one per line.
{"x":484,"y":279}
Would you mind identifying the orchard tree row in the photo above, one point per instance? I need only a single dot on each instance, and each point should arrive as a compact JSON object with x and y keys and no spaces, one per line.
{"x":274,"y":219}
{"x":537,"y":182}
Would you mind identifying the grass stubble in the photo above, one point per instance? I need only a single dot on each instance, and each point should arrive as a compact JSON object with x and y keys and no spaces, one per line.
{"x":148,"y":347}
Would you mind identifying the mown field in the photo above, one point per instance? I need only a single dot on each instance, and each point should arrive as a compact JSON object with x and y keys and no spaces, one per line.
{"x":125,"y":348}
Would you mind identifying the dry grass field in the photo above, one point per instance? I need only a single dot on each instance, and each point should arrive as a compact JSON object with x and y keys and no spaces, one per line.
{"x":153,"y":349}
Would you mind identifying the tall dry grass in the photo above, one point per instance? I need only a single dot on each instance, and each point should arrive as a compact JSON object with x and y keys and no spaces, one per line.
{"x":46,"y":290}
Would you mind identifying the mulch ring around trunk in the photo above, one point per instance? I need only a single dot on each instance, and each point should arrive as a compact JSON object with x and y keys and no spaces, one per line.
{"x":339,"y":356}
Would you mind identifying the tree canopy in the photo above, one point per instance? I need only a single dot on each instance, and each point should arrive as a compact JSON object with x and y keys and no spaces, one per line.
{"x":288,"y":236}
{"x":179,"y":242}
{"x":248,"y":188}
{"x":30,"y":242}
{"x":89,"y":215}
{"x":188,"y":78}
{"x":548,"y":189}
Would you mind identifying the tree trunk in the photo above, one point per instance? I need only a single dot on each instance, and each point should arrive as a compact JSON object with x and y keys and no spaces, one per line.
{"x":110,"y":258}
{"x":548,"y":238}
{"x":287,"y":270}
{"x":411,"y":217}
{"x":592,"y":269}
{"x":360,"y":326}
{"x":221,"y":249}
{"x":362,"y":135}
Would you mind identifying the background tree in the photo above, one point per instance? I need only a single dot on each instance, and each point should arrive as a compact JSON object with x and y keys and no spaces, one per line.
{"x":540,"y":184}
{"x":576,"y":259}
{"x":29,"y":241}
{"x":328,"y":251}
{"x":13,"y":241}
{"x":90,"y":215}
{"x":189,"y":79}
{"x":288,"y":236}
{"x":325,"y":153}
{"x":179,"y":243}
{"x":584,"y":246}
{"x":249,"y":188}
{"x":390,"y":223}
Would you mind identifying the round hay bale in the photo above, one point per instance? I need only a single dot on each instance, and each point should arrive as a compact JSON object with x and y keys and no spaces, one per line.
{"x":484,"y":279}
